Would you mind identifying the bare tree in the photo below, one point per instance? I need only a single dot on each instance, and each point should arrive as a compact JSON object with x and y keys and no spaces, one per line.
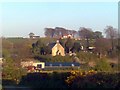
{"x":102,"y":46}
{"x":49,"y":32}
{"x":85,"y":33}
{"x":111,"y":33}
{"x":74,"y":33}
{"x":60,"y":31}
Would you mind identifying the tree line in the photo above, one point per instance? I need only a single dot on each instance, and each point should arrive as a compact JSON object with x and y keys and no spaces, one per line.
{"x":87,"y":35}
{"x":83,"y":32}
{"x":58,"y":32}
{"x":40,"y":48}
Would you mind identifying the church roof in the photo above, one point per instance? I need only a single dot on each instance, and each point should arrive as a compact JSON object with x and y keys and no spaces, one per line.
{"x":51,"y":45}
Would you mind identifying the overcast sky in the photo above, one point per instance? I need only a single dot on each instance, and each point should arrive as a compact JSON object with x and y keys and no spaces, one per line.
{"x":21,"y":18}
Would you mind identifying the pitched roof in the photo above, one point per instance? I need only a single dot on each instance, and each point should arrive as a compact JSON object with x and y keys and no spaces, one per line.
{"x":51,"y":45}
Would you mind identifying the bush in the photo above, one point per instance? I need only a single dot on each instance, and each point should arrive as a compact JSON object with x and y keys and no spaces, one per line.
{"x":92,"y":79}
{"x":44,"y":80}
{"x":49,"y":58}
{"x":11,"y":72}
{"x":85,"y":56}
{"x":103,"y":65}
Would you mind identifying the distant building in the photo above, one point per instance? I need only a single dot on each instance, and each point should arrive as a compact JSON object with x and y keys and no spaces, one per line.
{"x":32,"y":35}
{"x":91,"y":48}
{"x":33,"y":66}
{"x":67,"y":36}
{"x":58,"y":49}
{"x":1,"y":60}
{"x":26,"y":63}
{"x":39,"y":65}
{"x":82,"y":48}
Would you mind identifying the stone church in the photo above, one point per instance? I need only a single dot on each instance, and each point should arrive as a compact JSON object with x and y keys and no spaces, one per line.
{"x":58,"y":49}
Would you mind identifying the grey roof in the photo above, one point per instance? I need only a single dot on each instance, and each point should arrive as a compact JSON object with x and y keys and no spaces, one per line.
{"x":51,"y":45}
{"x":62,"y":64}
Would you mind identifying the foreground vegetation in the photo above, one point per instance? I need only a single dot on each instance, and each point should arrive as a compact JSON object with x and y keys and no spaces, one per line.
{"x":68,"y":80}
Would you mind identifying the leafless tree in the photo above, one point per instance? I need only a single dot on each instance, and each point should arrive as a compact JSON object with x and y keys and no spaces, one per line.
{"x":85,"y":33}
{"x":49,"y":32}
{"x":111,"y":33}
{"x":102,"y":46}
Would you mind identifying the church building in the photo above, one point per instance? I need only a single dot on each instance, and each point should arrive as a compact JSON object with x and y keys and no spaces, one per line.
{"x":58,"y":49}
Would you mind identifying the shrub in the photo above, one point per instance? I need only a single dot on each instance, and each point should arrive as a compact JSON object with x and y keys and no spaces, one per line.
{"x":92,"y":79}
{"x":85,"y":56}
{"x":49,"y":58}
{"x":103,"y":65}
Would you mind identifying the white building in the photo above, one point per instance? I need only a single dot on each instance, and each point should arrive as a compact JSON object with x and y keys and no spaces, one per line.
{"x":39,"y":65}
{"x":33,"y":63}
{"x":1,"y":60}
